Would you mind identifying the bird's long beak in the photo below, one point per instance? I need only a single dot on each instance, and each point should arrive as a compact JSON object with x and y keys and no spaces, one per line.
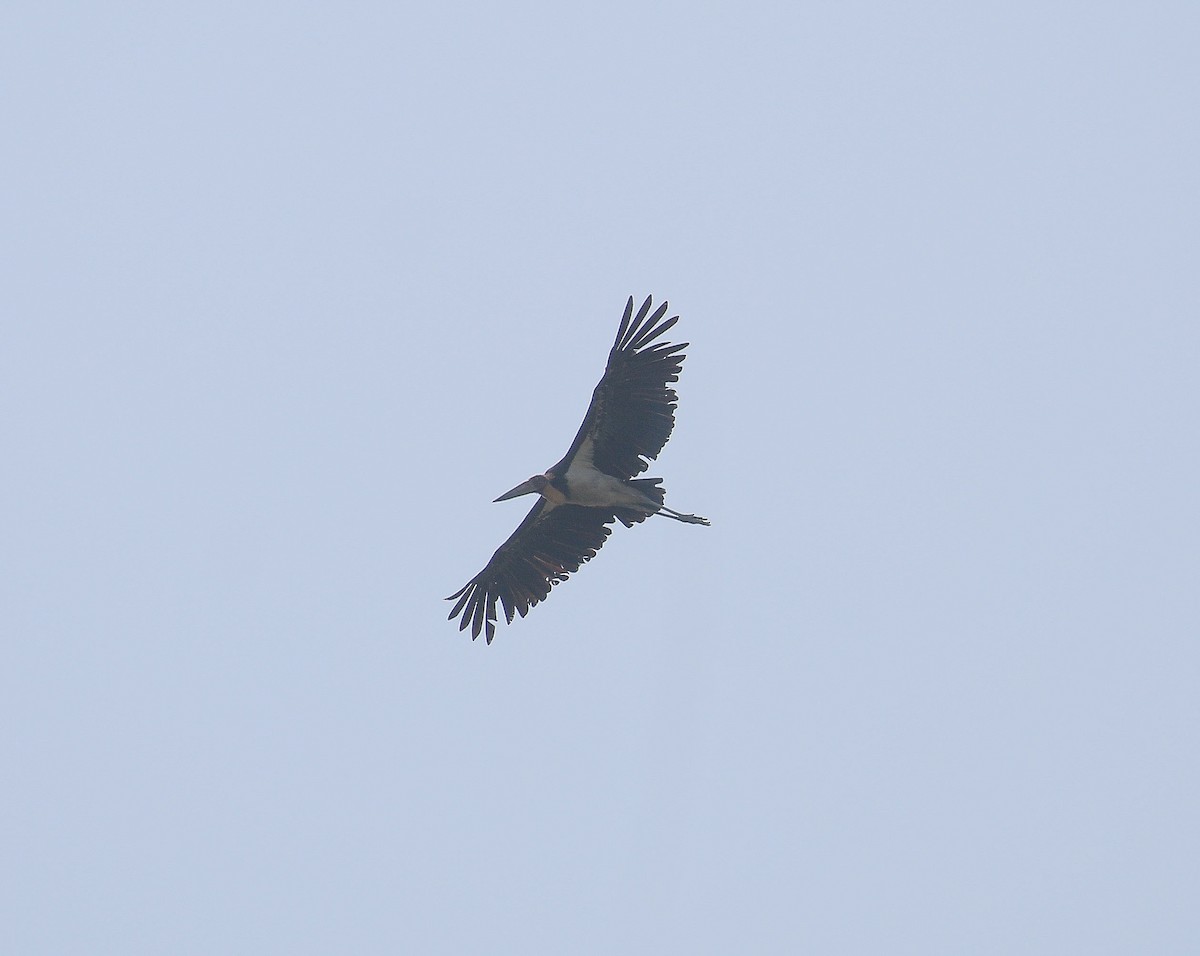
{"x":524,"y":488}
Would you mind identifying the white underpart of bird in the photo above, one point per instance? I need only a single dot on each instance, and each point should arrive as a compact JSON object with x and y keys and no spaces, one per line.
{"x":594,"y":488}
{"x":591,"y":487}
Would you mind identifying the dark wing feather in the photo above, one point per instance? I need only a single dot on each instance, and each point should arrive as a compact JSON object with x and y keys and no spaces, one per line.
{"x":633,"y":408}
{"x":550,"y":544}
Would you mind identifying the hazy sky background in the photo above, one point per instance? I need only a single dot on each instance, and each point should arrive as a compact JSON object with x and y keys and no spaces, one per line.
{"x":290,"y":292}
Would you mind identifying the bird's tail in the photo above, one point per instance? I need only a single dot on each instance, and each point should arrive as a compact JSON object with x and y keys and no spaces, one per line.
{"x":652,"y":488}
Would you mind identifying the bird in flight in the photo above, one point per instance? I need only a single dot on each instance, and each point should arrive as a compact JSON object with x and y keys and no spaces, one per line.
{"x":627,"y":424}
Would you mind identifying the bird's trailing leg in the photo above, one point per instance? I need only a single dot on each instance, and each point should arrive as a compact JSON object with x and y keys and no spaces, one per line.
{"x":686,"y":519}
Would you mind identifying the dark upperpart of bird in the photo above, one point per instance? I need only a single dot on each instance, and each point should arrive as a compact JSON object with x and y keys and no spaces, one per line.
{"x":595,"y":484}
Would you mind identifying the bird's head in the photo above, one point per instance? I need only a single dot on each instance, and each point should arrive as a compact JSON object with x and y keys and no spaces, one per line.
{"x":532,"y":486}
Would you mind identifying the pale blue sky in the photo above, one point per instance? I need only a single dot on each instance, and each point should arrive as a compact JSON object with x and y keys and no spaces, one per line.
{"x":291,"y":292}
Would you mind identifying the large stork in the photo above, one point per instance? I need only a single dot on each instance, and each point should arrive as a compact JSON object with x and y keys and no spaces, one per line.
{"x":627,"y":424}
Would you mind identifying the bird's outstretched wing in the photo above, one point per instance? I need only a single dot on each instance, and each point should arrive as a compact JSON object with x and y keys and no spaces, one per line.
{"x":547,"y":546}
{"x":550,"y":544}
{"x":633,"y":408}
